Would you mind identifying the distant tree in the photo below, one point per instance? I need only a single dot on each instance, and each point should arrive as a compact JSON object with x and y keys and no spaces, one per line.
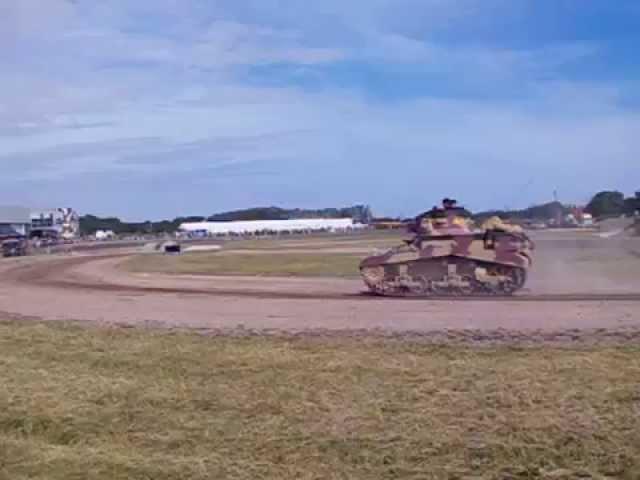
{"x":632,"y":204}
{"x":606,"y":203}
{"x":357,"y":212}
{"x":544,"y":211}
{"x":89,"y":224}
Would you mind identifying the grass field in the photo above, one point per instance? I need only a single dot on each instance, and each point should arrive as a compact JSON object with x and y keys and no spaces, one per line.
{"x":373,"y":239}
{"x":318,"y":256}
{"x":276,"y":264}
{"x":80,"y":403}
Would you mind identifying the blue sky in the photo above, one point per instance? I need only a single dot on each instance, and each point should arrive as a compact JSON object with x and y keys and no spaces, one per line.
{"x":158,"y":108}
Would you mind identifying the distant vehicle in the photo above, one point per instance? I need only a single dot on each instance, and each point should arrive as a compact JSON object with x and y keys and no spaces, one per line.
{"x":171,"y":247}
{"x":64,"y":222}
{"x":587,"y":220}
{"x":102,"y":235}
{"x":43,"y":234}
{"x":12,"y":243}
{"x":15,"y":247}
{"x":535,"y":225}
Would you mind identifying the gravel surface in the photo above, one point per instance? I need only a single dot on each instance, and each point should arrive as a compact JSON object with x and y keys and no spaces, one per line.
{"x":578,"y":293}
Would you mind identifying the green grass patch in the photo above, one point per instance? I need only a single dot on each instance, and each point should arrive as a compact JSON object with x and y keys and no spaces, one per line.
{"x":368,"y":239}
{"x":275,"y":264}
{"x":114,"y":404}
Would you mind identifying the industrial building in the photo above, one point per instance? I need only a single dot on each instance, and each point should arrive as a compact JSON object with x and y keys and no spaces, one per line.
{"x":14,"y":220}
{"x":270,"y":226}
{"x":59,"y":222}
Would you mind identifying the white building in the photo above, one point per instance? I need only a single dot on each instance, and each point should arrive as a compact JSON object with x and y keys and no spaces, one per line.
{"x":271,"y":226}
{"x":587,"y":220}
{"x":105,"y":235}
{"x":14,"y":220}
{"x":63,"y":222}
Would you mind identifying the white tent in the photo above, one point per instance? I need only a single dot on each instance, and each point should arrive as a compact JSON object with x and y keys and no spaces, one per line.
{"x":257,"y":226}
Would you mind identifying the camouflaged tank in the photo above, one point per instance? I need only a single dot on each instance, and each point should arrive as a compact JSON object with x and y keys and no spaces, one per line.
{"x":448,"y":257}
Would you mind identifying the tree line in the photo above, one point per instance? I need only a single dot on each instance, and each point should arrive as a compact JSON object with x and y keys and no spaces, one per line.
{"x":603,"y":204}
{"x":609,"y":203}
{"x":537,"y":212}
{"x":613,"y":203}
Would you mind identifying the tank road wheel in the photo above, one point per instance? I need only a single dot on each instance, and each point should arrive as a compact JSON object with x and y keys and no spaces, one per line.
{"x":497,"y":279}
{"x":374,"y":278}
{"x":468,"y":289}
{"x":472,"y":279}
{"x":520,"y":278}
{"x":516,"y":278}
{"x":421,"y":287}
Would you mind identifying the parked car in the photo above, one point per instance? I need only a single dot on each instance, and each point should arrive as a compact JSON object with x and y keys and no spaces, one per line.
{"x":14,"y":247}
{"x":12,"y":243}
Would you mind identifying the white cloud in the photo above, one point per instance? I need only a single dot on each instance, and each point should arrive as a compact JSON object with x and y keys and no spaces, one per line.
{"x":159,"y":88}
{"x":28,"y":18}
{"x":228,"y":43}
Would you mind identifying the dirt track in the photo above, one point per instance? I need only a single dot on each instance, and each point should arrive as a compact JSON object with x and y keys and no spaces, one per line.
{"x":563,"y":297}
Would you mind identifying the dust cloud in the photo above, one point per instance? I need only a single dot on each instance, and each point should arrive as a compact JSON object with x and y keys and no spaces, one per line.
{"x":584,"y":263}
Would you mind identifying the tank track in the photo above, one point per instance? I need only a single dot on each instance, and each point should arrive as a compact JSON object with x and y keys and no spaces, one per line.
{"x":498,"y":280}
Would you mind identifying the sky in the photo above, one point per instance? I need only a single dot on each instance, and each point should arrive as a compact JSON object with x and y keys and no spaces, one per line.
{"x":152,"y":109}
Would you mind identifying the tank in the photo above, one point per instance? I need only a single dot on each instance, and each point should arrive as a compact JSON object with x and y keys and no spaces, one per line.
{"x":447,"y":256}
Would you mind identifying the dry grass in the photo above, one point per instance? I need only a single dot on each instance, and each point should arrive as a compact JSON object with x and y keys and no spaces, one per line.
{"x":280,"y":264}
{"x":129,"y":404}
{"x":282,"y":256}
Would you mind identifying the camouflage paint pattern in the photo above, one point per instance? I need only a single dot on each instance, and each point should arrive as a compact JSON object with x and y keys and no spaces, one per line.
{"x":447,"y":257}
